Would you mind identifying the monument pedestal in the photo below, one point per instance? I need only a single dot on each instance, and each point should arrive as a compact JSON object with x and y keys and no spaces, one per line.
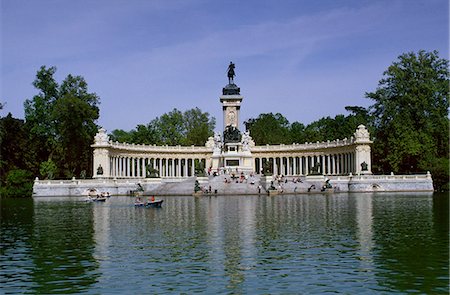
{"x":235,"y":158}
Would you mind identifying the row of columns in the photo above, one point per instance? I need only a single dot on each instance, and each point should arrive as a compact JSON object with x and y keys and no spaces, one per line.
{"x":121,"y":166}
{"x":334,"y":164}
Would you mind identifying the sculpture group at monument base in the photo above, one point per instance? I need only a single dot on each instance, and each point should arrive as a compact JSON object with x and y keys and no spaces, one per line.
{"x":248,"y":185}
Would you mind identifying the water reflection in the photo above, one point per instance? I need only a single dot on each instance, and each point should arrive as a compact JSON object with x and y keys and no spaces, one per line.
{"x":346,"y":243}
{"x":62,"y":247}
{"x":16,"y":265}
{"x":364,"y":218}
{"x":410,"y":254}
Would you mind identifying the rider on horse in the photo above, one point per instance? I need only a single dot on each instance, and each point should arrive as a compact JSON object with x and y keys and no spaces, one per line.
{"x":231,"y":73}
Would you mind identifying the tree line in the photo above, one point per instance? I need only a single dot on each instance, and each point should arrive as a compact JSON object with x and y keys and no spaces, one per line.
{"x":408,"y":122}
{"x":192,"y":127}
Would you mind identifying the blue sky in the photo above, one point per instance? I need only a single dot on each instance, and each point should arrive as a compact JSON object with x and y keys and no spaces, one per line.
{"x":303,"y":59}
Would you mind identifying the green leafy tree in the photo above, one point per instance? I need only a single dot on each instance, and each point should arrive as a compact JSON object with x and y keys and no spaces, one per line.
{"x":193,"y":127}
{"x":48,"y":169}
{"x":120,"y":135}
{"x":18,"y":183}
{"x":411,"y":115}
{"x":60,"y":121}
{"x":198,"y":127}
{"x":297,"y":131}
{"x":75,"y":112}
{"x":40,"y":125}
{"x":170,"y":127}
{"x":145,"y":134}
{"x":13,"y":144}
{"x":269,"y":129}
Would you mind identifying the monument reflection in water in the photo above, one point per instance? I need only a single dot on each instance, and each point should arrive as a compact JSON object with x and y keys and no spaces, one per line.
{"x":236,"y":244}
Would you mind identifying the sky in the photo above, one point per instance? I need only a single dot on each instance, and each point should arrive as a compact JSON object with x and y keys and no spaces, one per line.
{"x":304,"y":59}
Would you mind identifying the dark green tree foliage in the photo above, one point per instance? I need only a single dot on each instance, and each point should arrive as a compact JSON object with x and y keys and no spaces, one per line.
{"x":15,"y":180}
{"x":17,"y":183}
{"x":170,"y":127}
{"x":61,"y":123}
{"x":269,"y":129}
{"x":411,"y":115}
{"x":198,"y":127}
{"x":275,"y":129}
{"x":193,"y":127}
{"x":38,"y":116}
{"x":13,"y":144}
{"x":297,"y":131}
{"x":121,"y":135}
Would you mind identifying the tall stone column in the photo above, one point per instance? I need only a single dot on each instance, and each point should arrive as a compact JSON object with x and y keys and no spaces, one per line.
{"x":295,"y":166}
{"x":179,"y":167}
{"x":301,"y":165}
{"x":307,"y":165}
{"x":363,"y":162}
{"x":166,"y":167}
{"x":101,"y":155}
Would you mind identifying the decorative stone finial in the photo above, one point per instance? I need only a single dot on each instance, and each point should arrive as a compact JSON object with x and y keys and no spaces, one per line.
{"x":362,"y":134}
{"x":101,"y":137}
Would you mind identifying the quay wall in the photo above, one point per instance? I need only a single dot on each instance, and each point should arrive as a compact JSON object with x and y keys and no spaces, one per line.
{"x":224,"y":185}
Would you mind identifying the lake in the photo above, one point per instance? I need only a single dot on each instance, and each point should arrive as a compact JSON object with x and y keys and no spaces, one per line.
{"x":287,"y":244}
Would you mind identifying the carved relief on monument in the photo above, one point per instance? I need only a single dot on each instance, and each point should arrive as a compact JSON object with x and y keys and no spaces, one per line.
{"x":231,"y":117}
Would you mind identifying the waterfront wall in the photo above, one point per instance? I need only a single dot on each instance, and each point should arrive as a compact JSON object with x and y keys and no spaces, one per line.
{"x":250,"y":185}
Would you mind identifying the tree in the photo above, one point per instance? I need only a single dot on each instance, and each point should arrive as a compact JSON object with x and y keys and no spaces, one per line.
{"x":269,"y":129}
{"x":170,"y":127}
{"x":193,"y":127}
{"x":75,"y":111}
{"x":40,"y":125}
{"x":297,"y":131}
{"x":198,"y":125}
{"x":60,"y":120}
{"x":120,"y":135}
{"x":13,"y":146}
{"x":411,"y":114}
{"x":145,"y":135}
{"x":17,"y":183}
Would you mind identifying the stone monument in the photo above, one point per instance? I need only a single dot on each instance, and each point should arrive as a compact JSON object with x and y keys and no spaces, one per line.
{"x":234,"y":152}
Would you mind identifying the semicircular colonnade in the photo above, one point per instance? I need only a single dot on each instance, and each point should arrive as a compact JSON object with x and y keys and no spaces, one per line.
{"x":337,"y":157}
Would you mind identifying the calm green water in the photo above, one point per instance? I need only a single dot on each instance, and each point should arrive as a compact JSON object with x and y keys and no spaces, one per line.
{"x":356,"y":243}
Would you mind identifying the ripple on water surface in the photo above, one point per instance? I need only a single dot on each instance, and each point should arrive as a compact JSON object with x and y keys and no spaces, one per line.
{"x":241,"y":244}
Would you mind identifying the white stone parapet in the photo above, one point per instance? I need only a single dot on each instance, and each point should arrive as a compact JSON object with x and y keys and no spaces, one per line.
{"x":304,"y":146}
{"x":156,"y":148}
{"x":180,"y":186}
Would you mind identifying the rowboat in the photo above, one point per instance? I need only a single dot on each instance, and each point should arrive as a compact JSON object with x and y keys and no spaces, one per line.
{"x":154,"y":204}
{"x":95,"y":199}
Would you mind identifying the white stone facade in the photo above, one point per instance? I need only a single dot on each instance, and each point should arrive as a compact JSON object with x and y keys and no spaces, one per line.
{"x":337,"y":157}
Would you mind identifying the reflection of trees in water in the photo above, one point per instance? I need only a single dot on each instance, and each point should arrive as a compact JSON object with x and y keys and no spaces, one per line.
{"x":62,"y":248}
{"x":245,"y":243}
{"x":16,"y":229}
{"x":411,"y":243}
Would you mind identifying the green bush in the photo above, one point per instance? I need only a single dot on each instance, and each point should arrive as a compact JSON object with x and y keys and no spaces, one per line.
{"x":18,"y":183}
